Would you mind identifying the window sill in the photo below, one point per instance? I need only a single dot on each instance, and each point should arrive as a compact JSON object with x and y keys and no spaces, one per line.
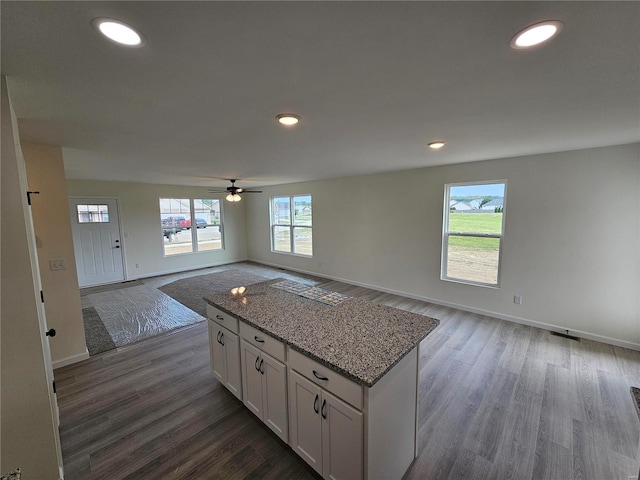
{"x":472,"y":283}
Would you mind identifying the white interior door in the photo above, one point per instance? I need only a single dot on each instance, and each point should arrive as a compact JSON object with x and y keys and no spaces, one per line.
{"x":96,"y":240}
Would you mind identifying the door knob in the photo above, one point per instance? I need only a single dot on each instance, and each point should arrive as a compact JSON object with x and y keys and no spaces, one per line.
{"x":51,"y":333}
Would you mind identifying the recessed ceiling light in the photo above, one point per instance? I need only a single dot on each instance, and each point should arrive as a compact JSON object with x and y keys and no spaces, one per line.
{"x":436,"y":145}
{"x":288,"y":119}
{"x":536,"y":34}
{"x":118,"y":32}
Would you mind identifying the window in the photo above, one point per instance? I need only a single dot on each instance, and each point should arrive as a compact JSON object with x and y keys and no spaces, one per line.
{"x":473,"y":232}
{"x":93,"y":213}
{"x":179,"y":216}
{"x":291,"y":225}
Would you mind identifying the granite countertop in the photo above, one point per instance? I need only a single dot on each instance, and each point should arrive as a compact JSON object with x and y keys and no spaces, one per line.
{"x":357,"y":338}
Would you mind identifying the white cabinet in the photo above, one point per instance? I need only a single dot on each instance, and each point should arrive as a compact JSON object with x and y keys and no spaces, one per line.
{"x":325,"y":431}
{"x":305,"y":422}
{"x":225,"y":357}
{"x":344,"y":430}
{"x":264,"y":386}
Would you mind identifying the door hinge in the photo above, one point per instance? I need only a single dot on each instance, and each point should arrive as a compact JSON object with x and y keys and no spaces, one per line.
{"x":54,"y":386}
{"x":41,"y":296}
{"x":29,"y":196}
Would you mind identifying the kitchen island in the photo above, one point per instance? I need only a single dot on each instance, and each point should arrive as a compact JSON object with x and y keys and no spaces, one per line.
{"x":333,"y":376}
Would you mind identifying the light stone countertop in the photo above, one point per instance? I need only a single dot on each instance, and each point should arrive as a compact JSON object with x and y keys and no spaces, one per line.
{"x":357,"y":338}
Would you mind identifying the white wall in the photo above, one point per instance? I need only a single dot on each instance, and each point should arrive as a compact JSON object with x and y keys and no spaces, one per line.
{"x":27,"y":431}
{"x":142,"y":232}
{"x":570,"y":248}
{"x":45,"y":173}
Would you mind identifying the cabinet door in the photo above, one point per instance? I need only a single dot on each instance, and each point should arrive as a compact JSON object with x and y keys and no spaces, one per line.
{"x":305,"y":426}
{"x":342,"y":439}
{"x":251,"y":378}
{"x":218,"y":360}
{"x":274,"y":383}
{"x":232,"y":362}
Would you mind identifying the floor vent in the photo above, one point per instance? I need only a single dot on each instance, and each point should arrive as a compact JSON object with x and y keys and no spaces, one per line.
{"x":566,"y":335}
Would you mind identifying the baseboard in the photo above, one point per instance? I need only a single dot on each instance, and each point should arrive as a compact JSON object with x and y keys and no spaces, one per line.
{"x":466,"y":308}
{"x":182,"y":269}
{"x":63,"y":362}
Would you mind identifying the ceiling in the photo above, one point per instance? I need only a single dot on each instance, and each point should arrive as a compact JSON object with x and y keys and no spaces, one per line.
{"x":373,"y":82}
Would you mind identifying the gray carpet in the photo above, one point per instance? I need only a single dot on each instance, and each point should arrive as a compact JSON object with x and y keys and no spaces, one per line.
{"x":96,"y":334}
{"x":189,"y":291}
{"x":635,"y":393}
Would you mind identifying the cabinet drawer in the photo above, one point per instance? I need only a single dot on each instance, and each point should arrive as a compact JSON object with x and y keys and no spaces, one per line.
{"x":335,"y":383}
{"x":264,"y":342}
{"x":222,"y":318}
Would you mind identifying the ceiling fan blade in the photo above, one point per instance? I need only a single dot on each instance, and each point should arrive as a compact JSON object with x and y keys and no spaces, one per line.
{"x":233,"y":190}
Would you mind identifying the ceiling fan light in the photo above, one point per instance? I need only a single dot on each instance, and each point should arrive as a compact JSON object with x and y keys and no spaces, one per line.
{"x":233,"y":197}
{"x":288,"y":119}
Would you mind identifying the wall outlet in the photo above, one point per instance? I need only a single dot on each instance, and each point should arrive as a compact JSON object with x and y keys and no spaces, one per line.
{"x":57,"y":264}
{"x":517,"y":299}
{"x":137,"y":265}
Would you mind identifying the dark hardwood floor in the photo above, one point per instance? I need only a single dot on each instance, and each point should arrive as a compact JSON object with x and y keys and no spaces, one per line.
{"x":497,"y":401}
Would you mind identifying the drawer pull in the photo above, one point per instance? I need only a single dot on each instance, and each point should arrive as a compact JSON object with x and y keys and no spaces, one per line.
{"x":319,"y":377}
{"x":258,"y":339}
{"x":324,"y":411}
{"x":315,"y":404}
{"x":219,"y":317}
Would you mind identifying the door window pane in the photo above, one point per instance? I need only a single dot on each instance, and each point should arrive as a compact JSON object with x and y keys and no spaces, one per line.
{"x":93,"y":213}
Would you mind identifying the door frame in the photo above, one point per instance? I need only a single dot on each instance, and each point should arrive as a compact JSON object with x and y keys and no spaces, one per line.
{"x":36,"y":278}
{"x":123,"y":248}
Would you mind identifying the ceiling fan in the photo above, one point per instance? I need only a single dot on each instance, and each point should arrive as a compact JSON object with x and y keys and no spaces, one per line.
{"x":233,"y":191}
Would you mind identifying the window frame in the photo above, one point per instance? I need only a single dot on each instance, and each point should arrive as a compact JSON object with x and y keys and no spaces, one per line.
{"x":291,"y":225}
{"x":90,"y":214}
{"x":446,"y":234}
{"x":192,"y":228}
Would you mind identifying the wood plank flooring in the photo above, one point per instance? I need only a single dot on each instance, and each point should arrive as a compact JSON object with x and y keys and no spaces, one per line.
{"x":497,"y":400}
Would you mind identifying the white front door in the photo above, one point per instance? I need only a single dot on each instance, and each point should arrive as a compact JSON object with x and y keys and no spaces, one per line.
{"x":96,"y":240}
